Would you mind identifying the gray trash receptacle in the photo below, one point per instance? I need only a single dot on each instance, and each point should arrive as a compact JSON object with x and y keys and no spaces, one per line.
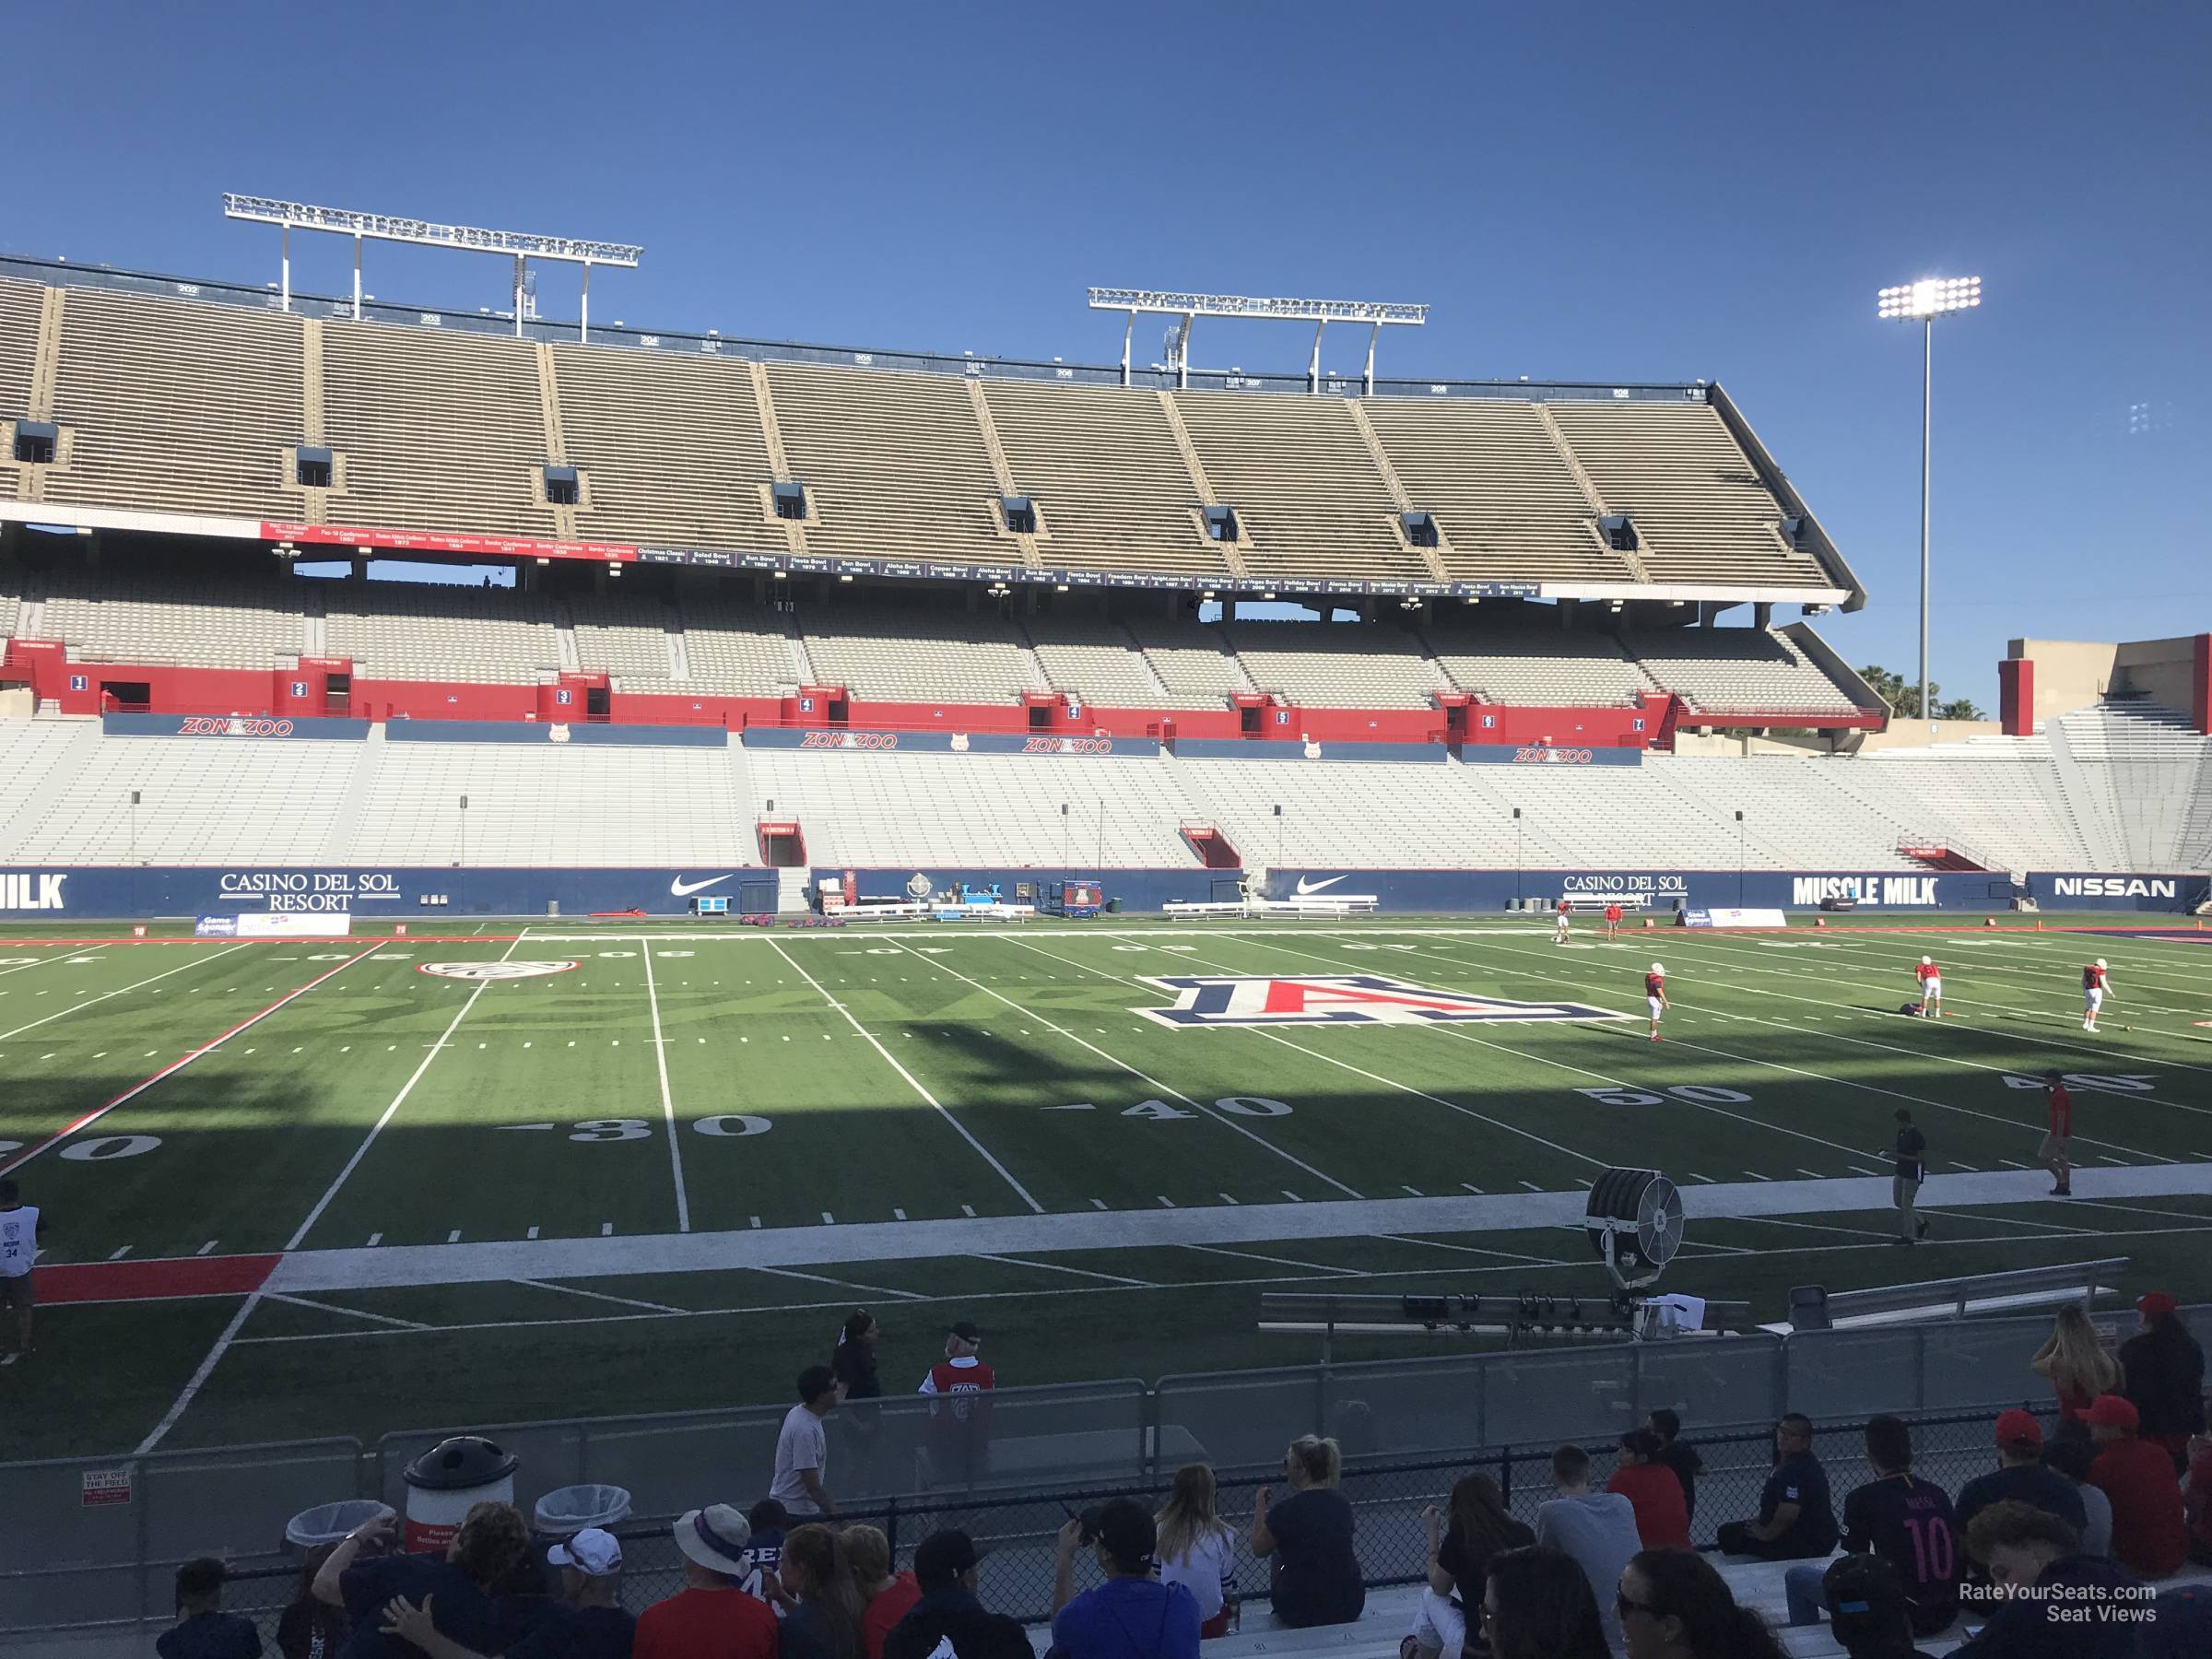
{"x":565,"y":1513}
{"x":328,"y":1522}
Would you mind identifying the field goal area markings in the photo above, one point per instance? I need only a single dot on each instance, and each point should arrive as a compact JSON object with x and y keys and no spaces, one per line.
{"x":119,"y":991}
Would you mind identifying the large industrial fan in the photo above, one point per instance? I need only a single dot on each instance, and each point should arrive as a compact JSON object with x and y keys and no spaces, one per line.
{"x":1634,"y":1223}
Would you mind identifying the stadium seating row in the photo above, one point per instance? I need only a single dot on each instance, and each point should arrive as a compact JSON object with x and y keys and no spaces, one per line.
{"x":394,"y":631}
{"x":554,"y":806}
{"x":176,"y":405}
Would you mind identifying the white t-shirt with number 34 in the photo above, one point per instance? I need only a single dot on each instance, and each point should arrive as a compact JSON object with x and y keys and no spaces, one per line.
{"x":18,"y":1240}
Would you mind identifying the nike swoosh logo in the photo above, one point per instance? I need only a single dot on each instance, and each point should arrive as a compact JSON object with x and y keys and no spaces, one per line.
{"x":1305,"y":886}
{"x":684,"y":889}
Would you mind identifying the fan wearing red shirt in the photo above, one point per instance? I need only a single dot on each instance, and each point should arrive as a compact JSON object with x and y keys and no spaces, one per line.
{"x":958,"y":1420}
{"x":1612,"y":922}
{"x":2058,"y":1143}
{"x":711,"y":1616}
{"x":2150,"y":1532}
{"x":1654,"y":1491}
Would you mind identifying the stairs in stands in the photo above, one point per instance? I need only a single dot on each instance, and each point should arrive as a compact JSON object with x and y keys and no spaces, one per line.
{"x":791,"y":891}
{"x":360,"y":790}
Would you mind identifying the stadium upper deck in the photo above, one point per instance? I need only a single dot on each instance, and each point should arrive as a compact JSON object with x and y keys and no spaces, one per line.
{"x":141,"y":402}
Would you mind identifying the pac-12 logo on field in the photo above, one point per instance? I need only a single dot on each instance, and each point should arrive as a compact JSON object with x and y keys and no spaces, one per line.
{"x":1339,"y":999}
{"x":493,"y":970}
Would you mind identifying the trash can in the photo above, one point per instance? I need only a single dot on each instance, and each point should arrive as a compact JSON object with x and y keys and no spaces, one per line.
{"x":444,"y":1481}
{"x":1114,"y":907}
{"x":328,"y":1522}
{"x":564,"y":1513}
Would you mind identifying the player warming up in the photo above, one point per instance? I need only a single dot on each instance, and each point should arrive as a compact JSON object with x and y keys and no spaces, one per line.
{"x":1931,"y":988}
{"x":2053,"y":1153}
{"x":2096,"y":985}
{"x":1559,"y":924}
{"x":1654,"y":995}
{"x":1612,"y":922}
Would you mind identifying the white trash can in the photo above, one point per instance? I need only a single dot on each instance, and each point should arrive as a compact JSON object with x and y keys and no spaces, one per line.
{"x":446,"y":1481}
{"x":329,"y":1523}
{"x":563,"y":1513}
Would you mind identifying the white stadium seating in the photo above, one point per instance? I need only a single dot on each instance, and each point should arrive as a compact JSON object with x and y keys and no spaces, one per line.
{"x":1738,"y":670}
{"x":405,"y":631}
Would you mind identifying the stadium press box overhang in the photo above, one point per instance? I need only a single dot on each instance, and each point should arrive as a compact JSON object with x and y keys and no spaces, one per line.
{"x":429,"y":544}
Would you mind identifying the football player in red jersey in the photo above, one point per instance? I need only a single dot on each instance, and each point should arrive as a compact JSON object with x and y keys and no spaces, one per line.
{"x":1654,"y":995}
{"x":1559,"y":926}
{"x":1931,"y":988}
{"x":1612,"y":922}
{"x":2096,"y":985}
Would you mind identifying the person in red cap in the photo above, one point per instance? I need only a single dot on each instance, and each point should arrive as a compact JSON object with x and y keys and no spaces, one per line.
{"x":2163,"y":1374}
{"x":2020,"y":1476}
{"x":2150,"y":1537}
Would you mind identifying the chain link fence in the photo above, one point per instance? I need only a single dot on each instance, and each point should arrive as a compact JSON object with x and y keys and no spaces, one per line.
{"x":1016,"y":1533}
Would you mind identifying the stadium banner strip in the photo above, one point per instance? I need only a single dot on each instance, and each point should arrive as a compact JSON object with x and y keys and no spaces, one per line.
{"x":446,"y":541}
{"x":234,"y":725}
{"x":178,"y":1064}
{"x":527,"y":731}
{"x":847,"y":741}
{"x":125,"y":518}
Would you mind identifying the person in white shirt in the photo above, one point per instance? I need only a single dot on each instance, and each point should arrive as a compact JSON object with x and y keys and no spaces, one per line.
{"x":1197,"y":1548}
{"x":1598,"y":1529}
{"x":801,"y":1482}
{"x":19,"y":1254}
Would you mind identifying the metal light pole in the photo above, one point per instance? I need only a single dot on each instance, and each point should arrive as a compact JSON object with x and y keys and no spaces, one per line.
{"x":1739,"y":858}
{"x":1279,"y":835}
{"x":464,"y":858}
{"x":1922,"y":302}
{"x":1518,"y":898}
{"x":134,"y":826}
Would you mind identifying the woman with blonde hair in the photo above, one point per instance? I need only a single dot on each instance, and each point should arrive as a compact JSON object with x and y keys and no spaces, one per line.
{"x":1314,"y":1573}
{"x":2078,"y":1367}
{"x":823,"y":1610}
{"x":1197,"y":1548}
{"x":887,"y":1596}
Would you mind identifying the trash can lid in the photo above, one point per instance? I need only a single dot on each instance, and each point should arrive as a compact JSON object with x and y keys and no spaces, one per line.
{"x":466,"y":1460}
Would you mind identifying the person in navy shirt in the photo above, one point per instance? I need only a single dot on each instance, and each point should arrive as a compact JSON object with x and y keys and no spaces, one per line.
{"x":1796,"y":1517}
{"x":1904,"y":1520}
{"x":203,"y":1629}
{"x":1132,"y":1614}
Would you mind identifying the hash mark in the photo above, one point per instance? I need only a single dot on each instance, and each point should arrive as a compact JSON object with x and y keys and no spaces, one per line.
{"x":532,"y":1233}
{"x":1532,"y":1186}
{"x":1166,"y":1202}
{"x":1414,"y":1192}
{"x":453,"y":1237}
{"x":829,"y":1219}
{"x":1291,"y":1195}
{"x":898,"y":1215}
{"x":1098,"y":1204}
{"x":606,"y":1230}
{"x":207,"y":1249}
{"x":121,"y":1254}
{"x":756,"y":1219}
{"x":1227,"y":1199}
{"x":967,"y":1209}
{"x":1757,"y":1176}
{"x":375,"y":1238}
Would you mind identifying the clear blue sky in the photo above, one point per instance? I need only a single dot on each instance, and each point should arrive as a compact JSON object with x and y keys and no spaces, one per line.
{"x":1581,"y":191}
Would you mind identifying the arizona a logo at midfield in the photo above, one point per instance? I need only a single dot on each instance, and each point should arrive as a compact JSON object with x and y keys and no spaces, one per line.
{"x":1339,"y":999}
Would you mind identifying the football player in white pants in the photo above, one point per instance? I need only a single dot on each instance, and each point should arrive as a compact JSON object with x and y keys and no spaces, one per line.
{"x":1931,"y":989}
{"x":1559,"y":924}
{"x":1654,"y":995}
{"x":2095,"y":983}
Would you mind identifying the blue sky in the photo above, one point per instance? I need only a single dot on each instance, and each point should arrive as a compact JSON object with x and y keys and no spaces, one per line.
{"x":1593,"y":191}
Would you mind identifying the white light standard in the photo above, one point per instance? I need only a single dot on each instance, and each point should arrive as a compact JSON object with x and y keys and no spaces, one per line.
{"x":1922,"y":302}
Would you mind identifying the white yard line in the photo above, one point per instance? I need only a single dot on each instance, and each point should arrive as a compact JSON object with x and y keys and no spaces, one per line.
{"x":622,"y":1301}
{"x":321,"y":1307}
{"x":1145,"y":1077}
{"x":199,"y":1378}
{"x":1112,"y":1279}
{"x":392,"y":1111}
{"x":58,"y":953}
{"x":660,"y":1056}
{"x":913,"y":1082}
{"x":93,"y":1002}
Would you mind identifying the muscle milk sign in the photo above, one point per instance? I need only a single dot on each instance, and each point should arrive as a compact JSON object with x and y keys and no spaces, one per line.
{"x":26,"y":891}
{"x":1918,"y":890}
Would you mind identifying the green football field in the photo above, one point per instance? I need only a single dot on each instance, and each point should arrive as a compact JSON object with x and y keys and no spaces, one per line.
{"x":648,"y":1166}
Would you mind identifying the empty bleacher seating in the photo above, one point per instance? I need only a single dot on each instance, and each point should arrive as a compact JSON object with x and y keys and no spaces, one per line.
{"x":1700,"y":511}
{"x":920,"y":655}
{"x":1509,"y":504}
{"x":405,"y":631}
{"x":737,"y":650}
{"x":20,"y":303}
{"x":1193,"y":660}
{"x":1996,"y":800}
{"x":1308,"y":499}
{"x":1537,"y":665}
{"x":1338,"y":665}
{"x":437,"y":431}
{"x":176,"y":406}
{"x":1738,"y":670}
{"x":626,"y":638}
{"x":206,"y":622}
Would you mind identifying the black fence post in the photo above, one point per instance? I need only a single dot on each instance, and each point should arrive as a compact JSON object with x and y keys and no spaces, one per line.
{"x":891,"y":1525}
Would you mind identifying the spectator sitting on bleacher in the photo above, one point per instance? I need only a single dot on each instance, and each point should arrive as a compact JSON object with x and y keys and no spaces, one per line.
{"x":2070,"y":1459}
{"x":948,"y":1616}
{"x":2020,"y":1476}
{"x":822,"y":1608}
{"x":1314,"y":1575}
{"x":1678,"y":1454}
{"x":2163,"y":1371}
{"x":886,"y":1595}
{"x":1904,"y":1520}
{"x":769,"y":1520}
{"x":589,"y":1624}
{"x":2034,"y":1566}
{"x":1867,"y":1609}
{"x":203,"y":1629}
{"x":1537,"y":1604}
{"x":1133,"y":1614}
{"x":1196,"y":1548}
{"x":711,"y":1616}
{"x":1796,"y":1519}
{"x":2150,"y":1537}
{"x":1674,"y":1603}
{"x":1653,"y":1491}
{"x":1463,"y":1540}
{"x":1598,"y":1529}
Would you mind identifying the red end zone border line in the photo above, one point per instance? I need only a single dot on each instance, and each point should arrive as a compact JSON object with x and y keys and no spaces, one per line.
{"x":178,"y":1064}
{"x":7,"y":940}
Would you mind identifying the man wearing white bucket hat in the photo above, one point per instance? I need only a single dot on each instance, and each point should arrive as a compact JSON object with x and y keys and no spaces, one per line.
{"x":711,"y":1616}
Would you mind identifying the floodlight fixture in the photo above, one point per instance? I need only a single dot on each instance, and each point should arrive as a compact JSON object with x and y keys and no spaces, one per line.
{"x":1376,"y":314}
{"x":1922,"y":302}
{"x":520,"y":246}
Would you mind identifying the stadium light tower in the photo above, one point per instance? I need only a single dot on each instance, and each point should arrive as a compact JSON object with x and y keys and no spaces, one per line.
{"x":1191,"y":307}
{"x":1922,"y":302}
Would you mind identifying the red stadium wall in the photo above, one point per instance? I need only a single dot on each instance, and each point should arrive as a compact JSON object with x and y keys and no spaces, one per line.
{"x":78,"y":689}
{"x":2015,"y":696}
